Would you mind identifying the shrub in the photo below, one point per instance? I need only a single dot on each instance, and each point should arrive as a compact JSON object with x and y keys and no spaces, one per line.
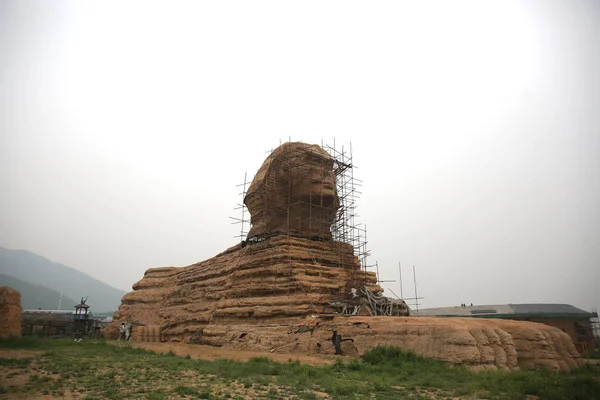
{"x":389,"y":355}
{"x":185,"y":390}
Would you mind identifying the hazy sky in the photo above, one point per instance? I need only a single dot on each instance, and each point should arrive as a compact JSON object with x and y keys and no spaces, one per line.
{"x":125,"y":126}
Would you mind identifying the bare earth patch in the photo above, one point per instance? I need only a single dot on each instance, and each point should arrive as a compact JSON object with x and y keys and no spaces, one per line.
{"x":66,"y":396}
{"x":203,"y":352}
{"x":14,"y":377}
{"x":19,"y":354}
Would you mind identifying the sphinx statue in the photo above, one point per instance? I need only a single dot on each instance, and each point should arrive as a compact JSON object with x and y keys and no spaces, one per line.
{"x":291,"y":287}
{"x":289,"y":266}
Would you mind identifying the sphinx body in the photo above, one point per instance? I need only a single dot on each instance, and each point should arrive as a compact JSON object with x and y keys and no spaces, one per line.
{"x":288,"y":267}
{"x":289,"y":286}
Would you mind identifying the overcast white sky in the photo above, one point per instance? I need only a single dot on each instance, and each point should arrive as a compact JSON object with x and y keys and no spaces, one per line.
{"x":125,"y":127}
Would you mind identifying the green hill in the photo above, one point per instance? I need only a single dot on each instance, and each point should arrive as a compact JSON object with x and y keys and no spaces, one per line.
{"x":37,"y":296}
{"x":74,"y":284}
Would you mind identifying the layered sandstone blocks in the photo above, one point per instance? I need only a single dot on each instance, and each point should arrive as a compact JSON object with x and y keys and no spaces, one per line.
{"x":10,"y":313}
{"x":473,"y":342}
{"x":276,"y":280}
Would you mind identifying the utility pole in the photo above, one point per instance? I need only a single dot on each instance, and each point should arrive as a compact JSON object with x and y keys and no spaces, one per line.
{"x":416,"y":296}
{"x":400,"y":275}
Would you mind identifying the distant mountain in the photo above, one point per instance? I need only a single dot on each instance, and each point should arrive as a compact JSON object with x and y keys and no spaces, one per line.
{"x":37,"y":296}
{"x":37,"y":270}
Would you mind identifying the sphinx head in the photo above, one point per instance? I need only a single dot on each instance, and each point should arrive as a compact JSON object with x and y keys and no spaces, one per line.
{"x":294,"y":192}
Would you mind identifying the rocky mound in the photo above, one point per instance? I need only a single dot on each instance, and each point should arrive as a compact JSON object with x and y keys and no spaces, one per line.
{"x":10,"y":313}
{"x":473,"y":342}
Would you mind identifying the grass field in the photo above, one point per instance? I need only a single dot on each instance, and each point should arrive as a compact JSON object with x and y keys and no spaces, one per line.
{"x":97,"y":370}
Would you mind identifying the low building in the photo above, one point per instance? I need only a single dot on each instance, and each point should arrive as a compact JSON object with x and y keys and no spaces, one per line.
{"x":39,"y":313}
{"x":580,"y":325}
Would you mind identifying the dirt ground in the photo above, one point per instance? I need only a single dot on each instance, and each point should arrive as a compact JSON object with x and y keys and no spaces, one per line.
{"x":16,"y":377}
{"x":210,"y":353}
{"x":10,"y":353}
{"x":67,"y":395}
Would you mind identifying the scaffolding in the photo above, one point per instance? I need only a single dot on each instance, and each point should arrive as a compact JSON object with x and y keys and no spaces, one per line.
{"x":309,"y":213}
{"x":304,"y":191}
{"x":346,"y":227}
{"x":595,"y":325}
{"x":243,"y":220}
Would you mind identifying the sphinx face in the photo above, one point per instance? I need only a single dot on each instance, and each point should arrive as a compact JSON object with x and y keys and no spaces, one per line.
{"x":294,"y":192}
